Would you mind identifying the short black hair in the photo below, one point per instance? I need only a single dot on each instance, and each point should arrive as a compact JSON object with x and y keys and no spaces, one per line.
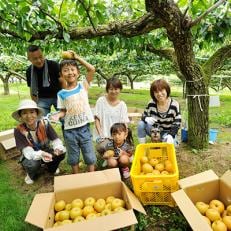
{"x":113,"y":82}
{"x":68,"y":62}
{"x":33,"y":48}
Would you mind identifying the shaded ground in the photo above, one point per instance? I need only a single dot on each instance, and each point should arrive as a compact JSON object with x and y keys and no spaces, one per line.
{"x":190,"y":162}
{"x":217,"y":157}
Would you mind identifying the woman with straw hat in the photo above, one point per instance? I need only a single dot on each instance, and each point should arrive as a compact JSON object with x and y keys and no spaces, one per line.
{"x":37,"y":141}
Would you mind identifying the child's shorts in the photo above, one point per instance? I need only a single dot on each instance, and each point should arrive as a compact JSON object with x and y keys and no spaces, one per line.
{"x":77,"y":139}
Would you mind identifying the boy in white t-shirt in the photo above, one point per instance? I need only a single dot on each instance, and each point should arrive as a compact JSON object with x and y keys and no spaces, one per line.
{"x":74,"y":107}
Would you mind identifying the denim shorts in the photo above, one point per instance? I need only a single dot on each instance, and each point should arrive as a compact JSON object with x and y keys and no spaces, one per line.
{"x":79,"y":139}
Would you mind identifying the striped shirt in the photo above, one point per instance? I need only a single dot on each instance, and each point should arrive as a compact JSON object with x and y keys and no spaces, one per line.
{"x":169,"y":121}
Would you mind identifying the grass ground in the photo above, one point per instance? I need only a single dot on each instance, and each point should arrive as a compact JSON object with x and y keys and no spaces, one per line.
{"x":15,"y":196}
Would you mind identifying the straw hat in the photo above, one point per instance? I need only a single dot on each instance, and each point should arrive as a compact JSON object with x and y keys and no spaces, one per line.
{"x":26,"y":104}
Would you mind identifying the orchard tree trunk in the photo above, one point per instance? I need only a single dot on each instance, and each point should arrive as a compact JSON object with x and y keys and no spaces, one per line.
{"x":132,"y":84}
{"x":196,"y":84}
{"x":197,"y":94}
{"x":5,"y":81}
{"x":6,"y":87}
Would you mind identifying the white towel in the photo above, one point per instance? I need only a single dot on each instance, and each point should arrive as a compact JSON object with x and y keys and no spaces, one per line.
{"x":34,"y":78}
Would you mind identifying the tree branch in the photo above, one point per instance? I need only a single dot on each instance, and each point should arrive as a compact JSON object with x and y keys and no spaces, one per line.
{"x":99,"y":71}
{"x":8,"y":21}
{"x":128,"y":28}
{"x":197,"y":20}
{"x":121,"y":73}
{"x":47,"y":14}
{"x":60,"y":9}
{"x":12,"y":33}
{"x":17,"y":74}
{"x":88,"y":15}
{"x":216,"y":61}
{"x":168,"y":53}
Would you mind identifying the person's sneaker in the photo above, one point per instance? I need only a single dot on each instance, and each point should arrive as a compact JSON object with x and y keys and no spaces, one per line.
{"x":125,"y":172}
{"x":28,"y":180}
{"x":57,"y":171}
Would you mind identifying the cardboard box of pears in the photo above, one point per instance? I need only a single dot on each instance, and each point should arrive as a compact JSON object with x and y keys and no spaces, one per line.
{"x":86,"y":201}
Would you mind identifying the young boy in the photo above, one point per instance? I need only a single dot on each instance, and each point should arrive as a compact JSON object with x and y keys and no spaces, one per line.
{"x":74,"y":107}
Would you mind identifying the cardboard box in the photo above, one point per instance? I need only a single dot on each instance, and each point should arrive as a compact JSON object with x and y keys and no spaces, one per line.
{"x":99,"y":184}
{"x":8,"y":148}
{"x":205,"y":187}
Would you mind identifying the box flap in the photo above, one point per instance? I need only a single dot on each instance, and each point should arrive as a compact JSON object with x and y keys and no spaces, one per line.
{"x":85,"y":179}
{"x":39,"y":210}
{"x":4,"y":135}
{"x":133,"y":200}
{"x":226,"y":177}
{"x":194,"y":218}
{"x":225,"y":187}
{"x":198,"y":179}
{"x":8,"y":144}
{"x":106,"y":223}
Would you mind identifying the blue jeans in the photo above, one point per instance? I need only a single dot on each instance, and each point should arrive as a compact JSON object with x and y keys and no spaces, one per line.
{"x":77,"y":139}
{"x":46,"y":104}
{"x":32,"y":167}
{"x":144,"y":129}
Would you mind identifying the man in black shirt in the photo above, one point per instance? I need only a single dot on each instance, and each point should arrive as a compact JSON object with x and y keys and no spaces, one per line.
{"x":43,"y":79}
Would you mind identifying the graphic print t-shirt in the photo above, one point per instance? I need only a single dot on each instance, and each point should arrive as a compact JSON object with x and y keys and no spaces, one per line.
{"x":75,"y":101}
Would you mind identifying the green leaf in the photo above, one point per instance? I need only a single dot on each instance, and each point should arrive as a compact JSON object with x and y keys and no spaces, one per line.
{"x":66,"y":37}
{"x":100,"y":16}
{"x":195,"y":151}
{"x":182,"y":3}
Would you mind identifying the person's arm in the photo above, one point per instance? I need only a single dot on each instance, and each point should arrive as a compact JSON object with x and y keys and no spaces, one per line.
{"x":177,"y":120}
{"x":124,"y":113}
{"x":62,"y":82}
{"x":28,"y":152}
{"x":56,"y":143}
{"x":123,"y":152}
{"x":90,"y":68}
{"x":98,"y":127}
{"x":33,"y":97}
{"x":28,"y":80}
{"x":148,"y":114}
{"x":55,"y":117}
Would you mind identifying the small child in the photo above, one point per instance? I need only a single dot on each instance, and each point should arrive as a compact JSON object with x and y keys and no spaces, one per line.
{"x":37,"y":141}
{"x":74,"y":107}
{"x":119,"y":151}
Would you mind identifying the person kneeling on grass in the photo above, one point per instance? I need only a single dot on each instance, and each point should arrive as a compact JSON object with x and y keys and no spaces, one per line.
{"x":161,"y":112}
{"x":37,"y":141}
{"x":118,"y":152}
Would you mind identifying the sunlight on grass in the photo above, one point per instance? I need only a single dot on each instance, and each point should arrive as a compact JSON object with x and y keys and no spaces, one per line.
{"x":15,"y":203}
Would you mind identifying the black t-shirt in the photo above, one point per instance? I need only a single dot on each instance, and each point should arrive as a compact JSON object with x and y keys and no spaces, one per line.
{"x":46,"y":92}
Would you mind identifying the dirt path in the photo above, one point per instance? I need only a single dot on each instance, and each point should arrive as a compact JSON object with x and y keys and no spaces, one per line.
{"x":217,"y":158}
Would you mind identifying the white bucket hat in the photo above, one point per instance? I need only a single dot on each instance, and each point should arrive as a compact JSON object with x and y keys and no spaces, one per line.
{"x":26,"y":104}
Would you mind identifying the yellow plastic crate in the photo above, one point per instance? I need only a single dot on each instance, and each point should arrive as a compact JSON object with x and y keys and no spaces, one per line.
{"x":155,"y":189}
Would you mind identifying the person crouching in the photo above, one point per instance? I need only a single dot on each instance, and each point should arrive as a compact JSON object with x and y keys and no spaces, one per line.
{"x":37,"y":141}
